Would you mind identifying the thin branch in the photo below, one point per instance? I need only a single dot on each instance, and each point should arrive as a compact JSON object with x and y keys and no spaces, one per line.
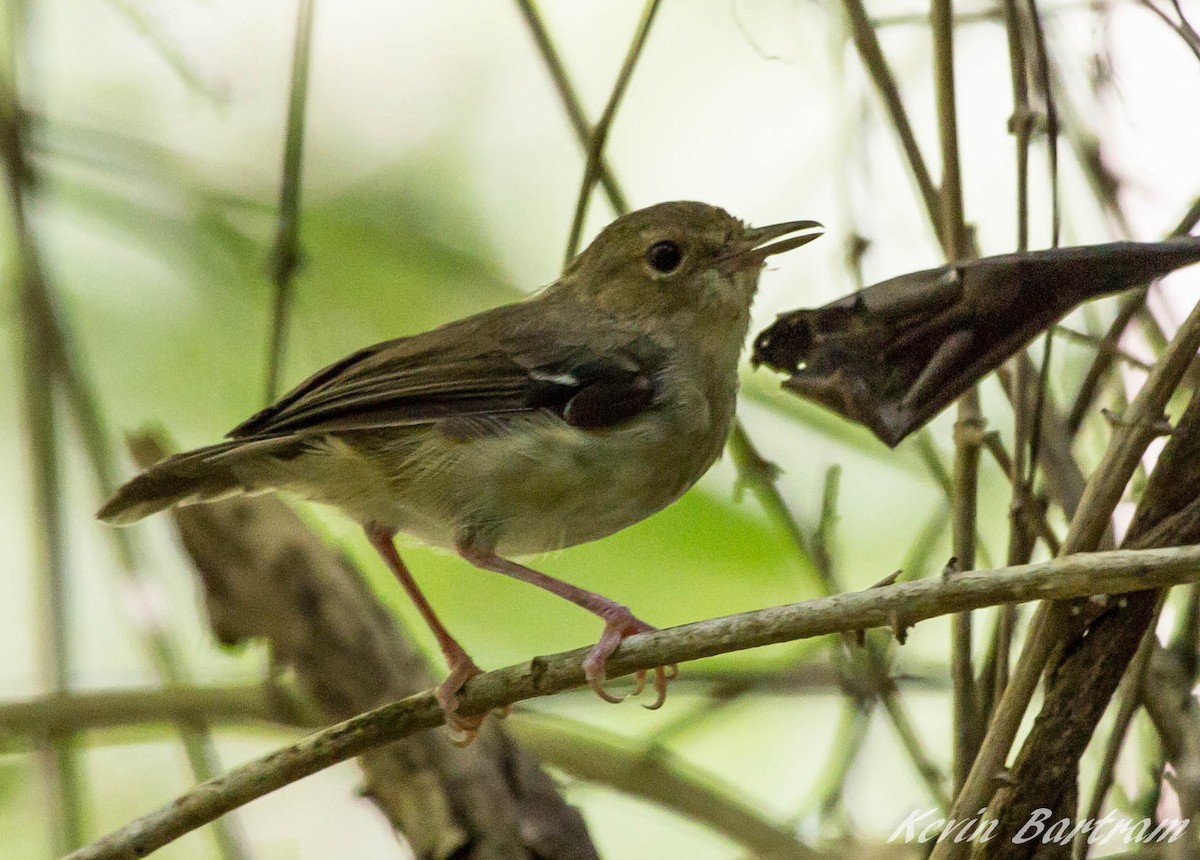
{"x":570,"y":101}
{"x":825,"y":796}
{"x":1027,"y":507}
{"x":896,"y":605}
{"x":87,"y":710}
{"x":871,"y":53}
{"x":876,"y":672}
{"x":138,"y":18}
{"x":1130,"y":306}
{"x":758,"y":474}
{"x":1088,"y":526}
{"x":279,"y":705}
{"x":969,"y":426}
{"x":285,"y":252}
{"x":599,"y":137}
{"x":57,"y":758}
{"x":1042,"y":76}
{"x":1182,"y":29}
{"x":58,"y":362}
{"x":822,"y":536}
{"x":1099,"y":342}
{"x":650,"y":772}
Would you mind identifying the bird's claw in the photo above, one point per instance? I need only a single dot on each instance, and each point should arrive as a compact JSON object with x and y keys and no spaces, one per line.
{"x":462,"y":730}
{"x":620,"y":624}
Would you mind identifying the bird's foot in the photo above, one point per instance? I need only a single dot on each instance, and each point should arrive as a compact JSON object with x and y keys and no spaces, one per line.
{"x":462,"y":729}
{"x":619,"y":622}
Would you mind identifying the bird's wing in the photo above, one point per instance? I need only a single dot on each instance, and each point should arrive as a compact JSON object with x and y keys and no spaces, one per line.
{"x":468,"y":375}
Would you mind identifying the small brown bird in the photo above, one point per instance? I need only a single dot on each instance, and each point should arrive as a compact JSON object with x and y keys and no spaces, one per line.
{"x":526,"y":428}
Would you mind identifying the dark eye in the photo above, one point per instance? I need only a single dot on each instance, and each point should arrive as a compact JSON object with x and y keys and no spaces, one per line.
{"x":664,"y":256}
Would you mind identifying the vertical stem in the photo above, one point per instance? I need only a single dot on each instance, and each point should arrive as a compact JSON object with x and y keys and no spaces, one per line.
{"x":1091,"y":520}
{"x":968,"y":428}
{"x":1020,"y":536}
{"x":57,"y":760}
{"x":285,"y":252}
{"x":1042,"y":73}
{"x":50,"y":366}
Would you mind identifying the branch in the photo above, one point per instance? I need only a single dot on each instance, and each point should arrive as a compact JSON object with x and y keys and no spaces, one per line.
{"x":57,"y":757}
{"x":1103,"y":491}
{"x":285,"y":252}
{"x":266,"y":575}
{"x":891,"y":606}
{"x":570,"y":102}
{"x":591,"y":169}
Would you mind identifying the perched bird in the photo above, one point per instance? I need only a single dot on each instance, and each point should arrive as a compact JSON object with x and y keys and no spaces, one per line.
{"x":522,"y":429}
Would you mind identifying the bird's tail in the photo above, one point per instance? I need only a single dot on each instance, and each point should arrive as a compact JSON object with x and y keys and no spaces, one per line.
{"x":203,"y":475}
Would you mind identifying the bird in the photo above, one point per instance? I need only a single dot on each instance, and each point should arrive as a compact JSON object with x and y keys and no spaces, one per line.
{"x":526,"y":428}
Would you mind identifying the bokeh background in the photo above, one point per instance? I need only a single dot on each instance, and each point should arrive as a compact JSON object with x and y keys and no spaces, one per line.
{"x":440,"y":176}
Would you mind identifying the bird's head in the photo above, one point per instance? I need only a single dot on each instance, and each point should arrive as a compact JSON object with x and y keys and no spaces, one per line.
{"x":678,"y":256}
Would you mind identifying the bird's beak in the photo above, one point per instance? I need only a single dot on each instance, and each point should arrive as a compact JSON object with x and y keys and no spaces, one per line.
{"x":752,"y":248}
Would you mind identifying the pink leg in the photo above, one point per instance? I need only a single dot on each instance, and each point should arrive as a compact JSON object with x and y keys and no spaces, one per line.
{"x":462,"y":667}
{"x":619,"y":622}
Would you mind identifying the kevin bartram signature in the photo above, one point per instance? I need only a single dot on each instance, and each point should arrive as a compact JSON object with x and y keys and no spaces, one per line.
{"x":924,"y":826}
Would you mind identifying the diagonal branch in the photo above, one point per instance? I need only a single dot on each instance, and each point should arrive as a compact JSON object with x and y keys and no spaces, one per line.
{"x":285,"y":252}
{"x":1091,"y":520}
{"x":894,"y":606}
{"x":570,"y":101}
{"x":599,"y":137}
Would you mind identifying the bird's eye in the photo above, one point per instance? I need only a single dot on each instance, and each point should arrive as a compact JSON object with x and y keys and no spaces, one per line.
{"x":664,"y":256}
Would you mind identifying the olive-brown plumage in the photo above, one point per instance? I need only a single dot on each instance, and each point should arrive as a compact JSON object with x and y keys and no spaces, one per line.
{"x":525,"y":428}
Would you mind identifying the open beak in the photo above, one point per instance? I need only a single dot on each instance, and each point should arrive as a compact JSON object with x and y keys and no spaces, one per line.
{"x":752,"y":249}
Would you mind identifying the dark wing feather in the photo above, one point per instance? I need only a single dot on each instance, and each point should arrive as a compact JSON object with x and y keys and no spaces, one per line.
{"x":493,"y":364}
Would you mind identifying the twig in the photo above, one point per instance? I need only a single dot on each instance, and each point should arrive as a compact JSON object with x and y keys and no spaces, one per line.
{"x":1042,"y":74}
{"x":585,"y":752}
{"x":825,"y":796}
{"x":1020,"y":125}
{"x":138,"y":18}
{"x":969,"y":426}
{"x":1076,"y":576}
{"x":1130,"y":306}
{"x":1183,"y":29}
{"x":57,"y":758}
{"x":570,"y":101}
{"x":822,"y":536}
{"x":285,"y":252}
{"x":867,"y":42}
{"x":599,"y":137}
{"x":1098,"y":343}
{"x":1031,"y":512}
{"x":758,"y":474}
{"x":61,"y":365}
{"x":884,"y":689}
{"x":1100,"y":497}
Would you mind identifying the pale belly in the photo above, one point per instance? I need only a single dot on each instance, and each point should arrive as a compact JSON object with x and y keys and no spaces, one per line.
{"x":543,"y":486}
